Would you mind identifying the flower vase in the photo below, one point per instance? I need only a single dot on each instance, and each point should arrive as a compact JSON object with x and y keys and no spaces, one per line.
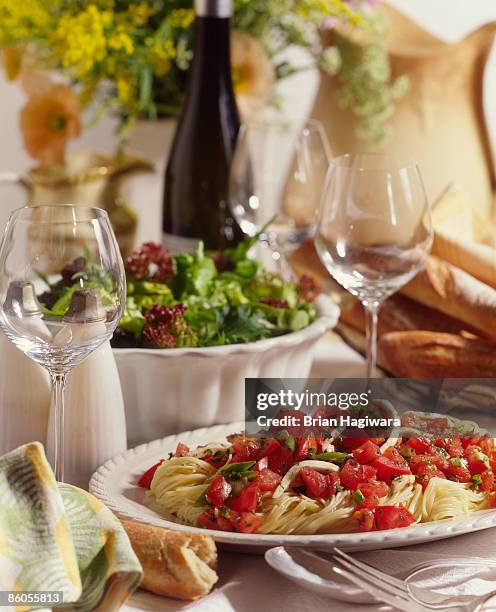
{"x":87,"y":179}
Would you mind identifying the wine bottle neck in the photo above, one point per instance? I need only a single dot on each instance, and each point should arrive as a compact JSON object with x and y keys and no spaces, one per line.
{"x":213,"y":8}
{"x":212,"y":51}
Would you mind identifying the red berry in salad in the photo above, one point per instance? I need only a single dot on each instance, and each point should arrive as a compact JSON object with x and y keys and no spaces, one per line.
{"x":150,"y":261}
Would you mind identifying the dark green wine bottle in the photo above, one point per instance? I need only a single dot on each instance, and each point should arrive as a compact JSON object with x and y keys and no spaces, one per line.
{"x":197,"y":176}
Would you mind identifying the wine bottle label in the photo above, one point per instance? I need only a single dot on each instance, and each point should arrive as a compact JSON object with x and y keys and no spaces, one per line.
{"x":179,"y":244}
{"x":214,"y":8}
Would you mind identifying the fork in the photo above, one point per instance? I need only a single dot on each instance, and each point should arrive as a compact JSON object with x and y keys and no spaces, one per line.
{"x":391,"y":590}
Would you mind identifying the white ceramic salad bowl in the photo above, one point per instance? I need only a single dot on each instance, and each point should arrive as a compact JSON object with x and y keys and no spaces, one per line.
{"x":171,"y":390}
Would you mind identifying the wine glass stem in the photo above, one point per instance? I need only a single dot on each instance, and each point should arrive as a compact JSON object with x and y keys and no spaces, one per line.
{"x":283,"y":266}
{"x":58,"y":387}
{"x":371,"y":317}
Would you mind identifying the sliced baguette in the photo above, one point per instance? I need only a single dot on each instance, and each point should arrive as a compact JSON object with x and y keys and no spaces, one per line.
{"x":454,"y":292}
{"x":175,"y":563}
{"x":425,"y":354}
{"x":479,"y":260}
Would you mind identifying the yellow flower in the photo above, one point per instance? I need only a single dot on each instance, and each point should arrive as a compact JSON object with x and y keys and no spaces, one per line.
{"x":162,"y":54}
{"x":20,"y":18}
{"x":253,"y":74}
{"x":121,"y":41}
{"x":48,"y":121}
{"x":181,"y":18}
{"x":140,"y":13}
{"x":316,"y":9}
{"x":80,"y":40}
{"x":125,"y":89}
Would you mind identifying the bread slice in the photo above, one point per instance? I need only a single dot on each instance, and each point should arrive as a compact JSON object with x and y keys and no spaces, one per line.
{"x":175,"y":563}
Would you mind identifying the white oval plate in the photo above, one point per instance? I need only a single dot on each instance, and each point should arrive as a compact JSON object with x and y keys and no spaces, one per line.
{"x":114,"y":483}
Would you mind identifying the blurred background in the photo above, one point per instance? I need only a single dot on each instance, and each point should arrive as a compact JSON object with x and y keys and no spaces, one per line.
{"x":450,"y":21}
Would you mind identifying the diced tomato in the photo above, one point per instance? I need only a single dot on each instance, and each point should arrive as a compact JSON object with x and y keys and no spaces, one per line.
{"x":372,"y":492}
{"x":218,"y":491}
{"x":207,"y":519}
{"x":269,"y":446}
{"x":247,"y":523}
{"x":419,"y":445}
{"x":395,"y":456}
{"x":333,"y":480}
{"x":351,"y":444}
{"x":417,"y":460}
{"x":246,"y":500}
{"x":353,"y":473}
{"x":459,"y":472}
{"x":439,"y":460}
{"x":181,"y":450}
{"x":476,"y":462}
{"x":392,"y":517}
{"x":304,"y":448}
{"x":488,"y":481}
{"x":318,"y":485}
{"x":281,"y":460}
{"x":387,"y":469}
{"x":365,"y":518}
{"x":485,"y":443}
{"x":268,"y":480}
{"x":216,"y":460}
{"x":454,"y":446}
{"x":225,"y":523}
{"x":244,"y":449}
{"x":297,"y":481}
{"x":145,"y":480}
{"x":425,"y":471}
{"x":367,"y":452}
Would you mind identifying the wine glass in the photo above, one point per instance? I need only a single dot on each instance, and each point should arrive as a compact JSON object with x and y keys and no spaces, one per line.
{"x":374,"y":230}
{"x":62,"y":292}
{"x":277,"y":175}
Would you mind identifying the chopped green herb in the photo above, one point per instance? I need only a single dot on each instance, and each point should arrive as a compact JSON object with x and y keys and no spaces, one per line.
{"x":290,"y":442}
{"x":202,"y":500}
{"x":358,"y":497}
{"x":236,"y":468}
{"x":333,"y":457}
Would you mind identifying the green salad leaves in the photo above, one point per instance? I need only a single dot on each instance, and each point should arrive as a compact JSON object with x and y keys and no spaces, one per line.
{"x":208,"y":300}
{"x":194,"y":299}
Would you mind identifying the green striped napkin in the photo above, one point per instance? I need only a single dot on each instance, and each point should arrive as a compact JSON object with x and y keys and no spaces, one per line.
{"x":60,"y":538}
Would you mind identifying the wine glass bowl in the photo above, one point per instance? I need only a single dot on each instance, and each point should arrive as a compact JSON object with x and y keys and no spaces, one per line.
{"x":374,"y":229}
{"x":277,"y":174}
{"x":62,"y":289}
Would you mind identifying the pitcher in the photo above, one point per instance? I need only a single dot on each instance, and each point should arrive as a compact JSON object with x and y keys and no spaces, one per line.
{"x":87,"y":179}
{"x":439,"y":121}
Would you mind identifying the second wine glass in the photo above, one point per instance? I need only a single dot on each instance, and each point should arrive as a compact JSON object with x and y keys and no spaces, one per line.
{"x":374,"y":230}
{"x":277,"y":175}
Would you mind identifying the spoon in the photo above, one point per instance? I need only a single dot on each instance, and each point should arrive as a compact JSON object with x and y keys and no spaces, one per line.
{"x":315,"y":573}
